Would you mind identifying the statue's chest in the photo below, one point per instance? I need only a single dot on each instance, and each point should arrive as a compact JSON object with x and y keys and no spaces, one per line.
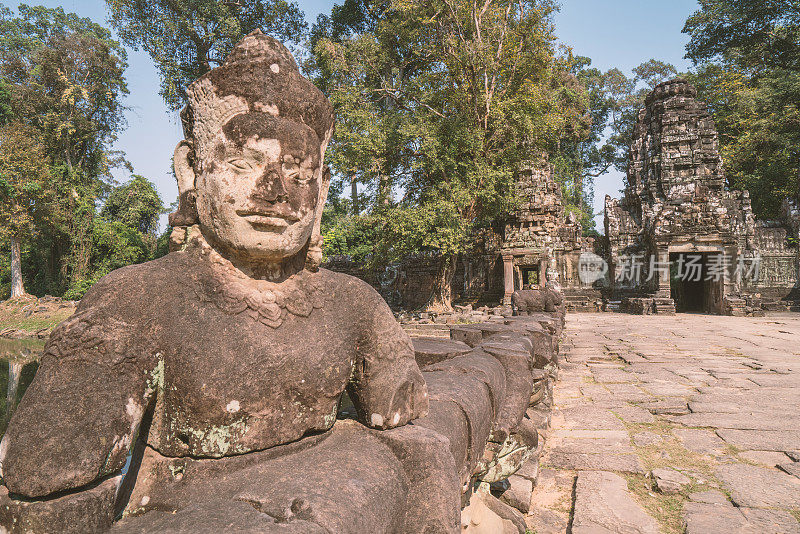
{"x":227,"y":358}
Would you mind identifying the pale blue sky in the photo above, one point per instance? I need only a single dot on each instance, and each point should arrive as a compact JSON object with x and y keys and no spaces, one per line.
{"x":614,"y":33}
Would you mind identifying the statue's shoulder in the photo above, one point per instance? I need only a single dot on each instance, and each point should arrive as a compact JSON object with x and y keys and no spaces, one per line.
{"x":349,"y":286}
{"x":140,"y":285}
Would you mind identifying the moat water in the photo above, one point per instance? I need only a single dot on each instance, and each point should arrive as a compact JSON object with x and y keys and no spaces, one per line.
{"x":19,"y":360}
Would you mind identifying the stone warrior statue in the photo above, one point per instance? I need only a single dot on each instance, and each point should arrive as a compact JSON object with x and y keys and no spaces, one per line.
{"x":230,"y":351}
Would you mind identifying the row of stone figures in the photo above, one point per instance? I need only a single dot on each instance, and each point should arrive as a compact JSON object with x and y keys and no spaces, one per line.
{"x":200,"y":392}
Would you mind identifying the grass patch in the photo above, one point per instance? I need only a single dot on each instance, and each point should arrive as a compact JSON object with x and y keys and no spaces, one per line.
{"x":666,"y":509}
{"x":796,"y":514}
{"x":669,"y":453}
{"x":34,"y":324}
{"x":32,"y":316}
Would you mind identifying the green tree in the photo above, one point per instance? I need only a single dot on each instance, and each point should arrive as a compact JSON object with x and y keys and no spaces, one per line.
{"x":747,"y":67}
{"x":24,"y":192}
{"x":135,"y":204}
{"x":440,"y":103}
{"x":66,"y":78}
{"x":187,"y":39}
{"x":760,"y":34}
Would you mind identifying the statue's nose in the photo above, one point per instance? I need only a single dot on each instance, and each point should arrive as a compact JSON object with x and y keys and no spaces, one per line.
{"x":270,"y":187}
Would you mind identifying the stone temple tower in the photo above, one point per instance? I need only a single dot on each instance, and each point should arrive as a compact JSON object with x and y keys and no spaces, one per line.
{"x":676,"y":203}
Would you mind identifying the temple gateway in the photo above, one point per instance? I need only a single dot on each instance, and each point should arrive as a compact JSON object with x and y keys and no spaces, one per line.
{"x":542,"y":244}
{"x":676,"y":212}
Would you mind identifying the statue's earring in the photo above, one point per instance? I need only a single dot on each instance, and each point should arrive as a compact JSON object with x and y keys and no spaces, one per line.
{"x":183,"y":164}
{"x":314,"y":256}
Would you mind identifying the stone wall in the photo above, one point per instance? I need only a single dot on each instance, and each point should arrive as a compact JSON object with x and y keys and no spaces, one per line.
{"x":406,"y":285}
{"x":504,"y":475}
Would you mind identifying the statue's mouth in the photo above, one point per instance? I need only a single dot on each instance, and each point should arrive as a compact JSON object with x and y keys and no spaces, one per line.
{"x":269,"y":218}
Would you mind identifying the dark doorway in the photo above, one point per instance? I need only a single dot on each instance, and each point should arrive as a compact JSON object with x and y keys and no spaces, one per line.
{"x":694,"y":284}
{"x":530,"y":277}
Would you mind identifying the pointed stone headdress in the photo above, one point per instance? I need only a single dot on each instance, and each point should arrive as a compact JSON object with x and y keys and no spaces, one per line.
{"x":259,"y":75}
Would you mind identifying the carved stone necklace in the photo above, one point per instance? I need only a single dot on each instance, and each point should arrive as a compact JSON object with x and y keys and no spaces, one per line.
{"x":268,"y":302}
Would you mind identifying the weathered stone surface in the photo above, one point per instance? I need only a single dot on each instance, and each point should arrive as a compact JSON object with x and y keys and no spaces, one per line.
{"x":764,"y":458}
{"x":758,"y":487}
{"x":709,"y":497}
{"x":603,"y":505}
{"x":551,"y":491}
{"x":773,"y":521}
{"x":702,"y":518}
{"x":473,"y":397}
{"x":80,"y":513}
{"x":646,"y":439}
{"x":634,"y":414}
{"x":667,"y":407}
{"x":518,"y":494}
{"x":669,"y":481}
{"x":700,"y":441}
{"x":434,"y":488}
{"x":431,"y":350}
{"x":761,"y":440}
{"x":526,"y":302}
{"x":591,"y":418}
{"x":628,"y":463}
{"x":504,"y":459}
{"x":530,"y":470}
{"x":482,"y":367}
{"x":681,"y":349}
{"x":676,"y":201}
{"x":517,"y":364}
{"x":487,"y":515}
{"x":448,"y":419}
{"x":467,"y":334}
{"x":403,"y":481}
{"x":790,"y":468}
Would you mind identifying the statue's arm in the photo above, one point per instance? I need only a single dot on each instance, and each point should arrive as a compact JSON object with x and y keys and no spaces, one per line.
{"x":387,"y":387}
{"x":78,"y":419}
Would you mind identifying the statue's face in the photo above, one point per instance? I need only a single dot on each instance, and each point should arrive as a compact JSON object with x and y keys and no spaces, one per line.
{"x":258,"y":186}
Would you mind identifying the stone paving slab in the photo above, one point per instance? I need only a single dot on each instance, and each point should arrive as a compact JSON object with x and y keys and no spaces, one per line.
{"x":761,"y":439}
{"x":759,"y":487}
{"x":603,"y":505}
{"x":711,"y":401}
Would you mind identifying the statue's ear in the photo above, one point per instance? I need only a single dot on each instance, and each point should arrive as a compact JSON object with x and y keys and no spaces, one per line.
{"x":183,"y":163}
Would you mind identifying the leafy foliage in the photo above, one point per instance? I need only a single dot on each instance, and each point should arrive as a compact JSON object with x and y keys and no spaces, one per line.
{"x":441,"y":102}
{"x":760,"y":34}
{"x":24,"y":181}
{"x":186,"y":39}
{"x":136,"y":205}
{"x":747,"y":57}
{"x":354,"y":237}
{"x":66,"y":81}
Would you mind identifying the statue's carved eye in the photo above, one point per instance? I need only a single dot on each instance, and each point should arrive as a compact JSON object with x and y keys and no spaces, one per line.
{"x":240,"y":164}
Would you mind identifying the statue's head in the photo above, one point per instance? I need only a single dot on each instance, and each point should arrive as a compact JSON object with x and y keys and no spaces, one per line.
{"x":250,"y":171}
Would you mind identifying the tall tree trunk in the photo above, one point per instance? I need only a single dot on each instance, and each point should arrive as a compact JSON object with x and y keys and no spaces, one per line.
{"x":17,"y":287}
{"x":14,"y":373}
{"x":354,"y":195}
{"x":442,"y":297}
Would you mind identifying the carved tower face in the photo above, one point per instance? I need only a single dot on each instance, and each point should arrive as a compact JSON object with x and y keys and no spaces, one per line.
{"x":258,"y":186}
{"x":250,"y":171}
